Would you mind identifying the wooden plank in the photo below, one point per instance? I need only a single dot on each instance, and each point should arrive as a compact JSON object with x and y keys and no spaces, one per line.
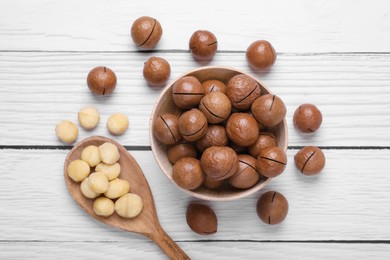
{"x":299,"y":26}
{"x":196,"y":250}
{"x":345,"y":202}
{"x":41,"y":89}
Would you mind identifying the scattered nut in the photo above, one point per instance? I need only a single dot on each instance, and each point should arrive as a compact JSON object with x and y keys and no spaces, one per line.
{"x":117,"y":124}
{"x":103,"y":207}
{"x":261,"y":55}
{"x":203,"y":45}
{"x":67,"y":131}
{"x":272,"y":207}
{"x":78,"y":170}
{"x":88,"y":117}
{"x":91,"y":155}
{"x":129,"y":205}
{"x":310,"y":160}
{"x":307,"y":118}
{"x":201,"y":219}
{"x":146,"y":32}
{"x":156,"y":71}
{"x":101,"y":81}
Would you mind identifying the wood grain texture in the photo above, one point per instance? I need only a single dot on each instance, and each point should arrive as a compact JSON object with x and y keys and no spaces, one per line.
{"x":291,"y":26}
{"x":41,"y":89}
{"x":345,"y":202}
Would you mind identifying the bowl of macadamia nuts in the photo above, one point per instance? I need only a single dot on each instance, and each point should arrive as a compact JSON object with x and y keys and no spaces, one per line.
{"x":219,"y":134}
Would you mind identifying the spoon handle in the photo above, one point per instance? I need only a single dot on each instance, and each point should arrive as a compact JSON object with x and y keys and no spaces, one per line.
{"x":165,"y":242}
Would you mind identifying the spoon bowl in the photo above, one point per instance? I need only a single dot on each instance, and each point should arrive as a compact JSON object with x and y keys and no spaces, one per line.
{"x":146,"y":223}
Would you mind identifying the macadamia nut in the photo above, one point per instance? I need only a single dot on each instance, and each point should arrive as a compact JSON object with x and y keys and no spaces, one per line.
{"x":117,"y":124}
{"x":88,"y":117}
{"x":78,"y":170}
{"x":117,"y":188}
{"x":67,"y":131}
{"x":91,"y":155}
{"x":112,"y":171}
{"x":103,"y":207}
{"x":87,"y":191}
{"x":98,"y":182}
{"x":129,"y":205}
{"x":109,"y":153}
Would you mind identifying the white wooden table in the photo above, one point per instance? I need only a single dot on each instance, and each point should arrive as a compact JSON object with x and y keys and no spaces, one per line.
{"x":335,"y":54}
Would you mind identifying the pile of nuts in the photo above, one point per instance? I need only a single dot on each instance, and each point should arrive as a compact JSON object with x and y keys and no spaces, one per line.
{"x":104,"y":180}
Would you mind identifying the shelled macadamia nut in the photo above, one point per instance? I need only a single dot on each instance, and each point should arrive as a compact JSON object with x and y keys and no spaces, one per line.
{"x":213,"y":85}
{"x":216,"y":107}
{"x":271,"y":161}
{"x":203,"y":45}
{"x":247,"y":175}
{"x":268,"y":110}
{"x":242,"y":90}
{"x":101,"y":81}
{"x":146,"y":32}
{"x":307,"y":118}
{"x":265,"y":139}
{"x":166,"y":129}
{"x":98,"y":182}
{"x":201,"y":219}
{"x":117,"y":188}
{"x":87,"y":191}
{"x":261,"y":55}
{"x":112,"y":171}
{"x":272,"y":207}
{"x":129,"y":205}
{"x":219,"y":163}
{"x":310,"y":160}
{"x":89,"y":118}
{"x":215,"y":136}
{"x":156,"y":71}
{"x":78,"y":170}
{"x":91,"y":155}
{"x":187,"y":173}
{"x":193,"y":125}
{"x":109,"y":153}
{"x":117,"y":124}
{"x":103,"y":207}
{"x":242,"y":129}
{"x":67,"y":131}
{"x":179,"y":151}
{"x":187,"y":92}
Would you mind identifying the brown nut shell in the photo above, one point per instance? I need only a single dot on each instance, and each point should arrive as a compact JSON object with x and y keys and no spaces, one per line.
{"x":265,"y":139}
{"x":211,"y":183}
{"x":246,"y":175}
{"x":156,"y":71}
{"x":101,"y":81}
{"x":201,"y":219}
{"x":215,"y":136}
{"x":146,"y":32}
{"x":271,"y":161}
{"x":242,"y":91}
{"x":213,"y":85}
{"x":179,"y":151}
{"x":310,"y":160}
{"x":242,"y":129}
{"x":166,"y":129}
{"x":272,"y":207}
{"x":193,"y":125}
{"x":307,"y":118}
{"x":269,"y":110}
{"x":219,"y":163}
{"x":187,"y":173}
{"x":216,"y":107}
{"x":203,"y":45}
{"x":187,"y":92}
{"x":261,"y":55}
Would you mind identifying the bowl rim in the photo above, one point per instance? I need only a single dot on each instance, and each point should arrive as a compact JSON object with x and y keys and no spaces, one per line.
{"x":242,"y":193}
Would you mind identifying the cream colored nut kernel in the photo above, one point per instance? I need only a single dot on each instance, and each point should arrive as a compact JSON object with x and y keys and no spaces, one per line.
{"x":112,"y":171}
{"x":129,"y":205}
{"x":91,"y":155}
{"x":117,"y":124}
{"x":109,"y":153}
{"x":98,"y":182}
{"x":67,"y":131}
{"x":88,"y":117}
{"x":103,"y":207}
{"x":78,"y":170}
{"x":87,"y":191}
{"x":117,"y":188}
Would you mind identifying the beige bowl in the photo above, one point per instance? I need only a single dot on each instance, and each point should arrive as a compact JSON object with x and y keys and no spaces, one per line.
{"x":164,"y":104}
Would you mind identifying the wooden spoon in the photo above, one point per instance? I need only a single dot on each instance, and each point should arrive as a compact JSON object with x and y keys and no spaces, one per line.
{"x":146,"y":223}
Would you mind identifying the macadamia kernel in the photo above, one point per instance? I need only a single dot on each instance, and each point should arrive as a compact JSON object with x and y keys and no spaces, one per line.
{"x":67,"y":131}
{"x":117,"y":188}
{"x":78,"y":170}
{"x":103,"y":207}
{"x":129,"y":205}
{"x":88,"y":117}
{"x":117,"y":124}
{"x":91,"y":155}
{"x":98,"y":182}
{"x":109,"y":153}
{"x":112,"y":171}
{"x":87,"y":191}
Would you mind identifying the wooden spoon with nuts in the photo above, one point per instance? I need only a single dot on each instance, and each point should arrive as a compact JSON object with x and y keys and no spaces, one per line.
{"x":146,"y":223}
